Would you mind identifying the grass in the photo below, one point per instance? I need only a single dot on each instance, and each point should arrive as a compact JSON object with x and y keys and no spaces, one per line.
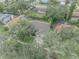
{"x":55,"y":46}
{"x":2,"y":30}
{"x":38,"y":16}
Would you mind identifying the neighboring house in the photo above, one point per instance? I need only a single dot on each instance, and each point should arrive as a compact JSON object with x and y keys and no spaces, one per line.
{"x":5,"y":18}
{"x":60,"y":27}
{"x":76,"y":13}
{"x":62,"y":2}
{"x":40,"y":8}
{"x":45,"y":1}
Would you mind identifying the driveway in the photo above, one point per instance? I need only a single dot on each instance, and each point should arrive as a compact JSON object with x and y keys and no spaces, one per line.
{"x":41,"y":27}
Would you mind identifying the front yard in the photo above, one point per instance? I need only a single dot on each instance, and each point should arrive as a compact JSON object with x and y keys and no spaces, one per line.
{"x":2,"y":30}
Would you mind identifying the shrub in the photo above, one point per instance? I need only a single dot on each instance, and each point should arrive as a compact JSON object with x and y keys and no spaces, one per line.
{"x":61,"y":12}
{"x":20,"y":44}
{"x":63,"y":45}
{"x":24,"y":32}
{"x":11,"y":49}
{"x":6,"y":28}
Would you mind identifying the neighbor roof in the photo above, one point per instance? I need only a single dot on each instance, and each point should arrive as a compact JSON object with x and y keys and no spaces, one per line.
{"x":4,"y":18}
{"x":75,"y":14}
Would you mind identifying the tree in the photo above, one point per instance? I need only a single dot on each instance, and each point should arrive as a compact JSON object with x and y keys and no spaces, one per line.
{"x":60,"y":45}
{"x":60,"y":12}
{"x":71,"y":10}
{"x":1,"y":7}
{"x":19,"y":6}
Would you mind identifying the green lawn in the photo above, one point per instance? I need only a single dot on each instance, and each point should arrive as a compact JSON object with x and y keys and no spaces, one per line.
{"x":2,"y":30}
{"x":37,"y":16}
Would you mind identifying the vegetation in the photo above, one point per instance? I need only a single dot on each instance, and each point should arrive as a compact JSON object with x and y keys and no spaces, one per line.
{"x":1,"y":7}
{"x":3,"y":30}
{"x":24,"y":32}
{"x":62,"y":45}
{"x":38,"y":16}
{"x":21,"y":40}
{"x":74,"y":21}
{"x":17,"y":7}
{"x":65,"y":13}
{"x":55,"y":45}
{"x":14,"y":50}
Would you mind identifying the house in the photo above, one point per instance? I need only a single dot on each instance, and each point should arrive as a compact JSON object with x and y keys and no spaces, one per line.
{"x":5,"y":18}
{"x":60,"y":27}
{"x":41,"y":1}
{"x":62,"y":2}
{"x":45,"y":1}
{"x":76,"y":13}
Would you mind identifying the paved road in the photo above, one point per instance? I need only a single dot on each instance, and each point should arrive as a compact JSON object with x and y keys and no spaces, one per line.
{"x":41,"y":27}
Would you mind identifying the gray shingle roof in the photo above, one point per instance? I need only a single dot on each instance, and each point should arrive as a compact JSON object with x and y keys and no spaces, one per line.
{"x":5,"y":18}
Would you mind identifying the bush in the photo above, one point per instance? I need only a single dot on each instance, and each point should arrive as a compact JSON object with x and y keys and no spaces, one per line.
{"x":63,"y":45}
{"x":6,"y":28}
{"x":24,"y":32}
{"x":20,"y":44}
{"x":11,"y":49}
